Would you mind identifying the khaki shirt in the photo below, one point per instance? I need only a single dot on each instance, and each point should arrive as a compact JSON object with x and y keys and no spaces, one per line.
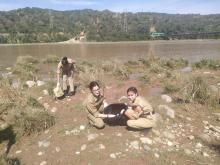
{"x":144,"y":104}
{"x":93,"y":105}
{"x":66,"y":69}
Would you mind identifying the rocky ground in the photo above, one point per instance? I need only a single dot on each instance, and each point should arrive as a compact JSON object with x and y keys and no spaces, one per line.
{"x":186,"y":132}
{"x":182,"y":136}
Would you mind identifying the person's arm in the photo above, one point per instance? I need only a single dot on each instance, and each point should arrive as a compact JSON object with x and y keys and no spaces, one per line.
{"x":92,"y":105}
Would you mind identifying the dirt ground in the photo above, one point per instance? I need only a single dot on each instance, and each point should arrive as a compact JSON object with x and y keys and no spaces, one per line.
{"x":72,"y":141}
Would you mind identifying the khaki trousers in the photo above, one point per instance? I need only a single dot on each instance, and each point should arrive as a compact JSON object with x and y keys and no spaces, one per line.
{"x":142,"y":123}
{"x":70,"y":81}
{"x":95,"y":121}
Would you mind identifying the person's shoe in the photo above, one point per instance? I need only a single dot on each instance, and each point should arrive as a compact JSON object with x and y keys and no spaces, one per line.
{"x":65,"y":93}
{"x":72,"y":93}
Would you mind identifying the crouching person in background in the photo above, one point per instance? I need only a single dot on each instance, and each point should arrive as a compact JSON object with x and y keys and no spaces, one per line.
{"x":140,"y":112}
{"x":94,"y":106}
{"x":65,"y":69}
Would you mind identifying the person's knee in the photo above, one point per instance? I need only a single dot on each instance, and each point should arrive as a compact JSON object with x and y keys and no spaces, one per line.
{"x":100,"y":125}
{"x":130,"y":123}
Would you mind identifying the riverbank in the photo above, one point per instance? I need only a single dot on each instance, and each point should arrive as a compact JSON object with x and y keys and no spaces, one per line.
{"x":186,"y":99}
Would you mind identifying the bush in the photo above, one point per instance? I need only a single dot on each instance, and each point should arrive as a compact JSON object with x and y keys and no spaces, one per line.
{"x":171,"y":88}
{"x":34,"y":122}
{"x":208,"y":63}
{"x":50,"y":59}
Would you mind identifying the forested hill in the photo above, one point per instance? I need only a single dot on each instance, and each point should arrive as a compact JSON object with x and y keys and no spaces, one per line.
{"x":29,"y":25}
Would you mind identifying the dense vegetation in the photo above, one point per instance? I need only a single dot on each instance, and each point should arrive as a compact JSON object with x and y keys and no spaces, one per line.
{"x":43,"y":25}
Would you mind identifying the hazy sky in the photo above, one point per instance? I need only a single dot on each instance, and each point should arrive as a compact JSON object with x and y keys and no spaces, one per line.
{"x":162,"y":6}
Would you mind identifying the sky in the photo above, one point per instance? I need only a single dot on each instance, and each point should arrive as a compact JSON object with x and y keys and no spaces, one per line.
{"x":160,"y":6}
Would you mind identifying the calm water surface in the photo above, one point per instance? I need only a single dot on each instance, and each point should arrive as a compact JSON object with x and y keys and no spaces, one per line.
{"x":192,"y":50}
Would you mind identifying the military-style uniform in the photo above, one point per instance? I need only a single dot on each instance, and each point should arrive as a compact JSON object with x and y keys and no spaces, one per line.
{"x":145,"y":119}
{"x":94,"y":106}
{"x":67,"y":73}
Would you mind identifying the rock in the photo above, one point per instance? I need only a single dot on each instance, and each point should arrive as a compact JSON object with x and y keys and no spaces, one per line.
{"x":169,"y":111}
{"x":156,"y":155}
{"x":9,"y":68}
{"x":82,"y":127}
{"x":198,"y":145}
{"x":46,"y":131}
{"x":187,"y":151}
{"x":119,"y":134}
{"x":54,"y":109}
{"x":77,"y":152}
{"x":101,"y":147}
{"x":205,"y":154}
{"x":146,"y":148}
{"x":174,"y":162}
{"x":188,"y":118}
{"x":43,"y":163}
{"x":30,"y":83}
{"x":205,"y":138}
{"x":45,"y":92}
{"x":187,"y":69}
{"x":134,"y":145}
{"x":205,"y":122}
{"x":67,"y":133}
{"x":18,"y":152}
{"x":75,"y":131}
{"x":169,"y":143}
{"x":40,"y":83}
{"x":83,"y":147}
{"x":40,"y":153}
{"x":39,"y":98}
{"x":166,"y":98}
{"x":57,"y":149}
{"x":44,"y":143}
{"x":92,"y":136}
{"x":113,"y":156}
{"x":191,"y":137}
{"x":215,"y":129}
{"x":146,"y":140}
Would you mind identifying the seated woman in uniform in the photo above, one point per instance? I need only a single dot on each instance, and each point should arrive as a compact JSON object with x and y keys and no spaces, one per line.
{"x":94,"y":106}
{"x":140,"y":112}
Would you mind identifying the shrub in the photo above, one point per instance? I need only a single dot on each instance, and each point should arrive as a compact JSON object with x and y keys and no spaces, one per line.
{"x":50,"y":59}
{"x":207,"y":63}
{"x":171,"y":88}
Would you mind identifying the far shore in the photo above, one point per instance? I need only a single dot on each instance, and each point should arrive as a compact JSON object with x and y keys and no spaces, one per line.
{"x":117,"y":42}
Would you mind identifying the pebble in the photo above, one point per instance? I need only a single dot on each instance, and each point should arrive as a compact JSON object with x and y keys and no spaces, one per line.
{"x":156,"y":155}
{"x":205,"y":154}
{"x":146,"y":148}
{"x":18,"y":152}
{"x":134,"y":145}
{"x":57,"y":149}
{"x":40,"y":98}
{"x":146,"y":140}
{"x":205,"y":122}
{"x":40,"y":153}
{"x":113,"y":156}
{"x":43,"y":163}
{"x":83,"y":147}
{"x":101,"y":147}
{"x":119,"y":134}
{"x":77,"y":152}
{"x":82,"y":127}
{"x":67,"y":132}
{"x":169,"y":143}
{"x":54,"y":109}
{"x":198,"y":145}
{"x":92,"y":136}
{"x":44,"y":143}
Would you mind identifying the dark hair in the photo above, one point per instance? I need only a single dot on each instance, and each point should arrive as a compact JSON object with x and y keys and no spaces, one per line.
{"x":132,"y":89}
{"x":93,"y":84}
{"x":64,"y":61}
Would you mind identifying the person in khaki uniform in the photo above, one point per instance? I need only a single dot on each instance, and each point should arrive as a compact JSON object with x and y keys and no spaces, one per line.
{"x":66,"y":69}
{"x":94,"y":106}
{"x":140,"y":112}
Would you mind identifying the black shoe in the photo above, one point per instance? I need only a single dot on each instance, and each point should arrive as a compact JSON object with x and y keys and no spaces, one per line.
{"x":65,"y":93}
{"x":71,"y":94}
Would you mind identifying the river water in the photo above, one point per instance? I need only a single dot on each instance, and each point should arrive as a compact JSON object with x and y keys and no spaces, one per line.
{"x":192,"y":50}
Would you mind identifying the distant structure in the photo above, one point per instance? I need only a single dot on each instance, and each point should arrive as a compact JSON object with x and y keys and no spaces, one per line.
{"x":155,"y":35}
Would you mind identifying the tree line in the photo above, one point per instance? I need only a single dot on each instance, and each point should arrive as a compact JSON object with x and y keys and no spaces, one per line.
{"x":29,"y":25}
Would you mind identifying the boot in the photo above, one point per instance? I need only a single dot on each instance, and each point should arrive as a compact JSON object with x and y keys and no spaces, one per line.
{"x":65,"y":93}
